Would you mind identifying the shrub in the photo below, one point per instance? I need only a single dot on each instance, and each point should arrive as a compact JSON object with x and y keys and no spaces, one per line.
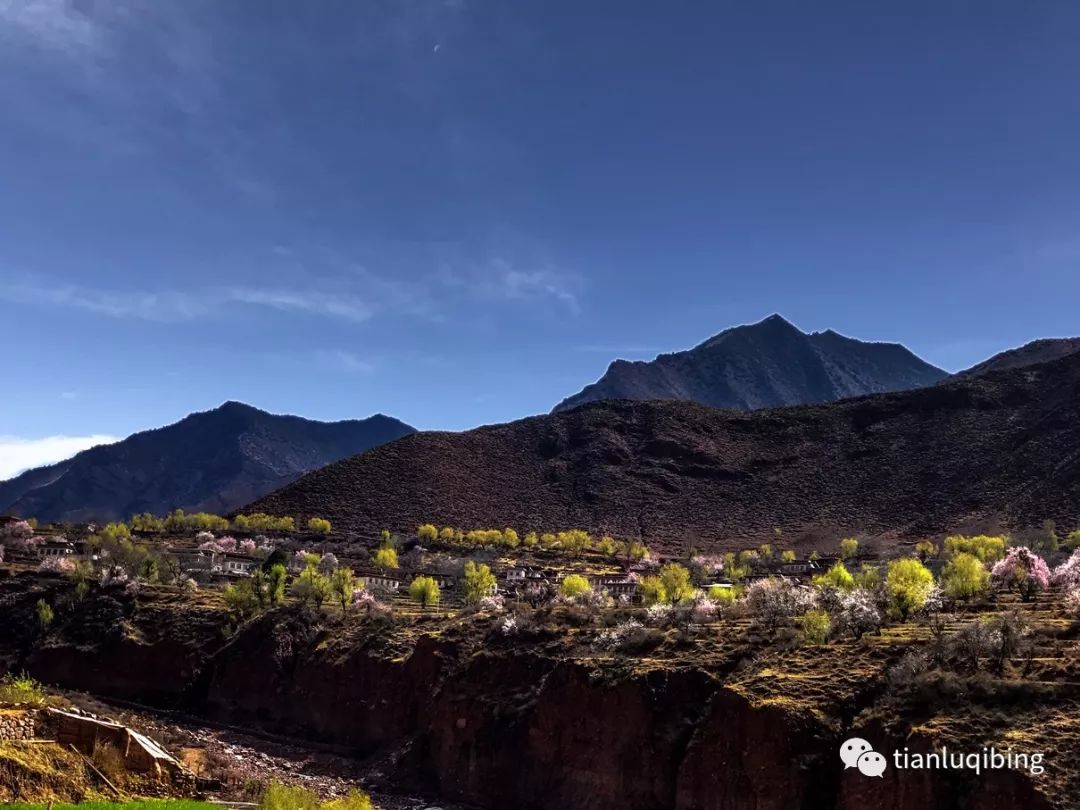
{"x":478,"y":582}
{"x":1072,"y":541}
{"x":44,"y":613}
{"x":531,"y":540}
{"x":787,"y":556}
{"x":924,"y":550}
{"x":319,"y":525}
{"x":815,"y":626}
{"x":20,"y":689}
{"x":837,"y":578}
{"x":965,"y":577}
{"x":242,"y":599}
{"x":108,"y":759}
{"x":607,"y":546}
{"x":355,"y":800}
{"x":427,"y":533}
{"x":278,"y":796}
{"x":424,"y":591}
{"x":386,"y":558}
{"x":574,"y":585}
{"x":765,"y":551}
{"x":676,"y":582}
{"x":849,"y":547}
{"x":1022,"y":569}
{"x":987,"y":549}
{"x":908,"y":585}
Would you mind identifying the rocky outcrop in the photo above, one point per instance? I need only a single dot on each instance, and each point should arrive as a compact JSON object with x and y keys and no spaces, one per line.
{"x":512,"y":723}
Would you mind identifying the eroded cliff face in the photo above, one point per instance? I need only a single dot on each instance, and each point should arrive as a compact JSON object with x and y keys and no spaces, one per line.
{"x":509,"y":726}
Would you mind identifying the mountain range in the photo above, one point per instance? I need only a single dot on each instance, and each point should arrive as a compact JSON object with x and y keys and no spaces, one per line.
{"x":764,"y":365}
{"x":215,"y":460}
{"x":976,"y":452}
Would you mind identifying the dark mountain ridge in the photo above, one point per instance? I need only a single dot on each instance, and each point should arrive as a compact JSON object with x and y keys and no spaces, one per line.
{"x":1030,"y":354}
{"x":1001,"y":449}
{"x":215,"y":460}
{"x":767,"y":364}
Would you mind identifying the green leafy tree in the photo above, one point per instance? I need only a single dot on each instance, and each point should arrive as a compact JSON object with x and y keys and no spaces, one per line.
{"x":607,"y":546}
{"x":44,"y":614}
{"x":386,"y":558}
{"x":766,"y":551}
{"x":531,"y":540}
{"x":868,"y":577}
{"x":721,"y":595}
{"x":425,"y":591}
{"x":677,"y":584}
{"x":275,"y":583}
{"x":1050,"y":540}
{"x":319,"y":525}
{"x":815,"y":626}
{"x":908,"y":584}
{"x":115,"y":532}
{"x":787,"y":556}
{"x":427,"y":533}
{"x":479,"y":582}
{"x":988,"y":549}
{"x":576,"y":541}
{"x":634,"y":551}
{"x":510,"y":538}
{"x":965,"y":577}
{"x":147,"y":523}
{"x":574,"y":585}
{"x":1072,"y":540}
{"x":311,"y":587}
{"x":837,"y":578}
{"x":849,"y":547}
{"x":652,"y":591}
{"x":342,"y":585}
{"x":241,"y":599}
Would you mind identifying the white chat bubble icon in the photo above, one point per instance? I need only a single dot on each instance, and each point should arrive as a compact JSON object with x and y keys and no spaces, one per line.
{"x":851,"y":750}
{"x":872,"y":764}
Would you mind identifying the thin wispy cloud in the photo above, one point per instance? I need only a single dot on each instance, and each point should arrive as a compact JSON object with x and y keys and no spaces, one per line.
{"x":174,"y":306}
{"x":500,"y":279}
{"x":341,"y":360}
{"x":18,"y":454}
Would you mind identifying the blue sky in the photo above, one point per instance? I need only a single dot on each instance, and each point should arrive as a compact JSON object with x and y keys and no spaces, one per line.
{"x":458,"y":212}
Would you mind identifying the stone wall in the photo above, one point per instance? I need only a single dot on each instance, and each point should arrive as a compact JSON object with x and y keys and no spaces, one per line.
{"x":24,"y":724}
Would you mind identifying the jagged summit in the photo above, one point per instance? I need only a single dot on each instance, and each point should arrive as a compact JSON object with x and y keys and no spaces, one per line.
{"x":765,"y":364}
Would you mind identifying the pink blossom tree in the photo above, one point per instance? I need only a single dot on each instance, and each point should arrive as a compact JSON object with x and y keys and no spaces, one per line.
{"x":1067,"y":575}
{"x":1023,"y":569}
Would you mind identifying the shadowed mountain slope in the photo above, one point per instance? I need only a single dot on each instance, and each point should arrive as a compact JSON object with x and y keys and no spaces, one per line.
{"x":1000,"y":447}
{"x":215,"y":460}
{"x":764,"y":365}
{"x":1030,"y":354}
